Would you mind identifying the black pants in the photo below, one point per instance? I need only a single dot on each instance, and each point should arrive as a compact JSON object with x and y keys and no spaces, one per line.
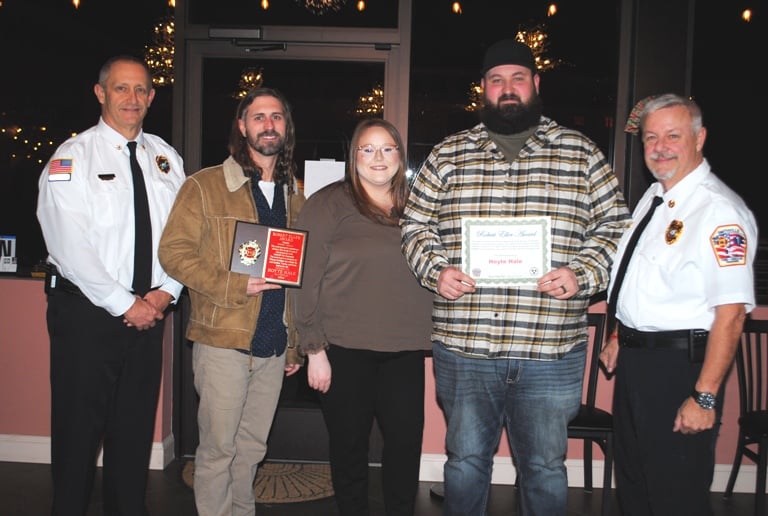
{"x":390,"y":388}
{"x":105,"y":380}
{"x":660,"y":472}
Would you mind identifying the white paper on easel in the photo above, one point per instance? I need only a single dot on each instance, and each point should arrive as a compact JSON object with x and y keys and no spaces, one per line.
{"x":319,"y":173}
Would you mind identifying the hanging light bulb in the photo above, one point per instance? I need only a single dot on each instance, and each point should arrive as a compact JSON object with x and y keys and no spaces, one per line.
{"x":361,"y":5}
{"x":76,"y":3}
{"x":746,"y":15}
{"x":456,"y":7}
{"x":552,"y":10}
{"x":265,"y":4}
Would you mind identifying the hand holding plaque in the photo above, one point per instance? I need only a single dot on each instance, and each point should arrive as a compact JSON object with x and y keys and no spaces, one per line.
{"x":275,"y":254}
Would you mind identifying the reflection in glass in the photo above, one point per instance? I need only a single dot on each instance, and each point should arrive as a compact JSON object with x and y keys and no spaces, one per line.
{"x":322,"y":94}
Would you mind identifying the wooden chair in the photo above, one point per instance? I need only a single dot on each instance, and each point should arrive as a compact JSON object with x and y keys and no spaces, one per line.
{"x":752,"y":377}
{"x":592,"y":424}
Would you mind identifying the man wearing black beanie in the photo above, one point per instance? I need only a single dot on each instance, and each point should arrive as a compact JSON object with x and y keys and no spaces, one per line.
{"x":510,"y":327}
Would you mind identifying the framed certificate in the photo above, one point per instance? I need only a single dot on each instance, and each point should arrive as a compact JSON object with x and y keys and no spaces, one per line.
{"x":275,"y":254}
{"x":506,"y":251}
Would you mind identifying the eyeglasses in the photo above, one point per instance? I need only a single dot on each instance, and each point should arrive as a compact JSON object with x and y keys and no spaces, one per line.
{"x":387,"y":151}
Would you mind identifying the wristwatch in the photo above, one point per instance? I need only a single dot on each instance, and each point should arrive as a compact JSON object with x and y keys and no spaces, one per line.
{"x":706,"y":400}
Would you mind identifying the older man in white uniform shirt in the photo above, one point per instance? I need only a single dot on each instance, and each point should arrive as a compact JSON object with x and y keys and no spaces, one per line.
{"x":680,"y":308}
{"x":106,"y":340}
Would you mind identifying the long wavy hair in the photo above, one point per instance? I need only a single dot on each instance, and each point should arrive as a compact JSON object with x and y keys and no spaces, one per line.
{"x":285,"y":168}
{"x":398,"y":187}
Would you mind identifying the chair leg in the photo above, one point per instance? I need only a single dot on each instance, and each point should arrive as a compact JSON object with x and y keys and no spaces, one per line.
{"x":607,"y":476}
{"x":587,"y":465}
{"x":735,"y":468}
{"x":762,"y":462}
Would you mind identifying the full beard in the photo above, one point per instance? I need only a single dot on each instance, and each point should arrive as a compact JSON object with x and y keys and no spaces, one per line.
{"x":267,"y":148}
{"x":511,"y":118}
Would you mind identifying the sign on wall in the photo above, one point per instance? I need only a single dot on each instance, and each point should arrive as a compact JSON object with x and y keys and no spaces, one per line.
{"x":7,"y":253}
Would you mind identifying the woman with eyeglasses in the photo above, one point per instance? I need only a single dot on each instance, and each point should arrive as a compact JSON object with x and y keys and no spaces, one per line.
{"x":365,"y":323}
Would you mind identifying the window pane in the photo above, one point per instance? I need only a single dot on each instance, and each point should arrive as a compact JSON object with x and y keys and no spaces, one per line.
{"x":579,"y":93}
{"x":322,"y":95}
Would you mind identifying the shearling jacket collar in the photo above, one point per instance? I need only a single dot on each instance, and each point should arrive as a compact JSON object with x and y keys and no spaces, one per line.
{"x":233,"y":174}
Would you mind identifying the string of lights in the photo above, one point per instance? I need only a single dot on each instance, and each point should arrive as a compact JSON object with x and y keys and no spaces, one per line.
{"x":160,"y":52}
{"x":371,"y":103}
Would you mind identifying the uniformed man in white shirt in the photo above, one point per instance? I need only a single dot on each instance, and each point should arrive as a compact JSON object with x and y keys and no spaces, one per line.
{"x":106,"y":338}
{"x":681,"y":306}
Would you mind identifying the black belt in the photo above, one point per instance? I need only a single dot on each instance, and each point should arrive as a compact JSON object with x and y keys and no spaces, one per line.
{"x":55,"y":281}
{"x":694,"y":341}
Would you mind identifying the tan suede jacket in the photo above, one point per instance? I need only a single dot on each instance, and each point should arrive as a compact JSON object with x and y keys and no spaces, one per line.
{"x":196,"y":247}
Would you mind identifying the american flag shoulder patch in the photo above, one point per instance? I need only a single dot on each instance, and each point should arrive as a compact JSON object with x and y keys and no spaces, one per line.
{"x":60,"y":169}
{"x":729,"y":243}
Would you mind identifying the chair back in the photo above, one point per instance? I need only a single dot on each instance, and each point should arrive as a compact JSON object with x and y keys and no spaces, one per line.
{"x":752,"y":366}
{"x":595,"y":324}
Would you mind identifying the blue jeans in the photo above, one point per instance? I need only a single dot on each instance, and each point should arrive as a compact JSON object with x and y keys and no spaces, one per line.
{"x":534,"y":400}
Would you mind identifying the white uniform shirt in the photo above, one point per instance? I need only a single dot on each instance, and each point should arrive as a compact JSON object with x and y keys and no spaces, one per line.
{"x":696,"y":253}
{"x":85,"y":209}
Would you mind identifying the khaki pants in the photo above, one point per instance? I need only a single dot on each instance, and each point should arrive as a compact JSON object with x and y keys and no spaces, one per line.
{"x":238,"y":398}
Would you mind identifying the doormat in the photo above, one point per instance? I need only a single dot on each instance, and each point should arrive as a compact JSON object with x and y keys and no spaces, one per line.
{"x":283,"y":482}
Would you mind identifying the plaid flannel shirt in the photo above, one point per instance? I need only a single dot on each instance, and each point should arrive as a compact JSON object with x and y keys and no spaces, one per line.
{"x":558,"y":173}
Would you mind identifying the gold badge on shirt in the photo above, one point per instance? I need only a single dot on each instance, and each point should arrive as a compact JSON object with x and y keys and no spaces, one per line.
{"x":163,"y":164}
{"x":674,"y":231}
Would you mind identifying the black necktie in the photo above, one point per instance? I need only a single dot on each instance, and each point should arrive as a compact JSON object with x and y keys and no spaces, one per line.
{"x":626,"y":257}
{"x":142,"y":253}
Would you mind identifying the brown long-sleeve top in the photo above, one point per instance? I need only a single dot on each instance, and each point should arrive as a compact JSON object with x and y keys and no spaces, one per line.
{"x":357,"y":291}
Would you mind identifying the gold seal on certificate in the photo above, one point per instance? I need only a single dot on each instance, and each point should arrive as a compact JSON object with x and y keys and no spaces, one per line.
{"x":506,"y":251}
{"x":275,"y":254}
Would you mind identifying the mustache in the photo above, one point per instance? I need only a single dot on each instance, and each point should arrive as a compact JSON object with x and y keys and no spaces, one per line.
{"x":268,"y":133}
{"x":662,"y":155}
{"x":509,"y":96}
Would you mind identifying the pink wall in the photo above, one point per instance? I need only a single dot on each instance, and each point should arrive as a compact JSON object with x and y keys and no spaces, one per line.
{"x":25,"y":399}
{"x":25,"y":396}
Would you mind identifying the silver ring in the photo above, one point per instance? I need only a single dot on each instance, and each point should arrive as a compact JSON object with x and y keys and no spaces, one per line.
{"x":563,"y":287}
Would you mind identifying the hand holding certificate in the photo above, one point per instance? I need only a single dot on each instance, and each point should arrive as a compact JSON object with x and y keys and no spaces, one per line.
{"x":506,"y":251}
{"x":275,"y":254}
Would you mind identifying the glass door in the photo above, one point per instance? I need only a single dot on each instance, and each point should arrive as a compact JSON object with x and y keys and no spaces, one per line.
{"x":328,"y":87}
